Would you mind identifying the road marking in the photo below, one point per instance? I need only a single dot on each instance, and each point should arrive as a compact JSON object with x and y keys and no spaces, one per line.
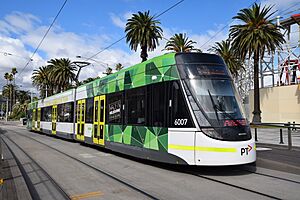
{"x":263,"y":149}
{"x":87,"y":155}
{"x":86,"y":195}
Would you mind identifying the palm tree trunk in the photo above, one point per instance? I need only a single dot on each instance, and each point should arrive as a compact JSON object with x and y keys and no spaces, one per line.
{"x":144,"y":54}
{"x":256,"y":112}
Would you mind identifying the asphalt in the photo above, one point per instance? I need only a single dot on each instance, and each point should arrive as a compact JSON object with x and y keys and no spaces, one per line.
{"x":276,"y":174}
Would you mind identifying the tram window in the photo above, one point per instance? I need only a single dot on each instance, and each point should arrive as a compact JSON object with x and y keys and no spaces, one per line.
{"x":60,"y":113}
{"x":114,"y":106}
{"x":101,"y":110}
{"x":68,"y":112}
{"x":65,"y":112}
{"x":46,"y":114}
{"x":159,"y":104}
{"x":29,"y":115}
{"x":89,"y":111}
{"x":179,"y":112}
{"x":135,"y":106}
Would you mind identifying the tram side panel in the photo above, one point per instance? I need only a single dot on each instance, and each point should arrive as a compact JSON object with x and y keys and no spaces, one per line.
{"x":56,"y":117}
{"x":214,"y":152}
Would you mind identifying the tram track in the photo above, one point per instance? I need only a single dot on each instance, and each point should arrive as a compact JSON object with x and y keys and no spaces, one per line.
{"x":270,"y":176}
{"x":30,"y":185}
{"x":235,"y":186}
{"x":131,"y":186}
{"x":188,"y":172}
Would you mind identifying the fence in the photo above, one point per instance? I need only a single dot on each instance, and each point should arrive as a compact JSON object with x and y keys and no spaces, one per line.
{"x":289,"y":126}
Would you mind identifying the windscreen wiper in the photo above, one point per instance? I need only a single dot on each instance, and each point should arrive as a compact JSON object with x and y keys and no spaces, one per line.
{"x":214,"y":106}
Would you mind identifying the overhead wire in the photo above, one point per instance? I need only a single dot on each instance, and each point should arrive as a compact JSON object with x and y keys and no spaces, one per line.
{"x":219,"y":31}
{"x":40,"y":43}
{"x":282,"y":11}
{"x":230,"y":21}
{"x":160,"y":14}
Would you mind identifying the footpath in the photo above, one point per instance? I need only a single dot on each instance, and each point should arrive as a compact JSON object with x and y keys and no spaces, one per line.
{"x":272,"y":136}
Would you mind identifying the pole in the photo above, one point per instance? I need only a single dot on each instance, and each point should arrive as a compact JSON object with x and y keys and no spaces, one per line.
{"x":289,"y":136}
{"x":281,"y":137}
{"x":6,"y":115}
{"x":255,"y":134}
{"x":74,"y":113}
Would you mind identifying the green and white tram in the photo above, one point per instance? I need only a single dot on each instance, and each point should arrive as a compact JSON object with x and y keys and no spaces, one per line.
{"x":179,"y":108}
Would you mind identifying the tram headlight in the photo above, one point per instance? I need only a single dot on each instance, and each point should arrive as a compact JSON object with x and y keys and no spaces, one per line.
{"x":212,"y":133}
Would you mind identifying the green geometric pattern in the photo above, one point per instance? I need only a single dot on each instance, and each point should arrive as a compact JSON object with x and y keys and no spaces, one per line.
{"x":155,"y":138}
{"x":158,"y":69}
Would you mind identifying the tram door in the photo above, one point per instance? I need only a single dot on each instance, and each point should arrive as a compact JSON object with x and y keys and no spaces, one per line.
{"x":99,"y":120}
{"x":80,"y":119}
{"x":33,"y":118}
{"x":54,"y":119}
{"x":39,"y":119}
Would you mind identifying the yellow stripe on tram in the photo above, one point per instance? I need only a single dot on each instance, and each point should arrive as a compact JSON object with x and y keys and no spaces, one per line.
{"x":197,"y":148}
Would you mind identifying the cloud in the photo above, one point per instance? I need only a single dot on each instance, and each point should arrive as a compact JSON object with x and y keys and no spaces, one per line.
{"x":282,"y":5}
{"x":120,"y":20}
{"x":117,"y":21}
{"x":18,"y":22}
{"x":20,"y":33}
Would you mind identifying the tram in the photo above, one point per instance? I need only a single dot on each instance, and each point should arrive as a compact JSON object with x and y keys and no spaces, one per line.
{"x":180,"y":108}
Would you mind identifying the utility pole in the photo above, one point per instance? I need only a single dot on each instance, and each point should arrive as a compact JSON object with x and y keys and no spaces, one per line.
{"x":6,"y":113}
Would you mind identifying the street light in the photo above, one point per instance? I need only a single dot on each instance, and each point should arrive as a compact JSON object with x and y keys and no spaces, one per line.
{"x":80,"y":65}
{"x":10,"y":54}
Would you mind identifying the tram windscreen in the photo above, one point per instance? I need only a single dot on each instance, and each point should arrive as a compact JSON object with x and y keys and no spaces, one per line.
{"x":218,"y":97}
{"x":217,"y":104}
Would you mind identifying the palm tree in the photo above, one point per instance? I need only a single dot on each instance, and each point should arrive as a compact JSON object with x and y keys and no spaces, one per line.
{"x":23,"y":96}
{"x":108,"y":71}
{"x":143,"y":30}
{"x":6,"y":76}
{"x":8,"y":91}
{"x":255,"y":34}
{"x":62,"y":73}
{"x":118,"y":66}
{"x":225,"y":50}
{"x":90,"y":79}
{"x":41,"y":79}
{"x":180,"y":43}
{"x":9,"y":77}
{"x":14,"y":72}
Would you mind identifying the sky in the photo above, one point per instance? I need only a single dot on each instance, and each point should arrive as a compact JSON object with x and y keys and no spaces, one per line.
{"x":86,"y":27}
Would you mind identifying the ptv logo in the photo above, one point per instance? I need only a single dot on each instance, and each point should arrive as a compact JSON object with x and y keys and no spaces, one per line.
{"x":246,"y":150}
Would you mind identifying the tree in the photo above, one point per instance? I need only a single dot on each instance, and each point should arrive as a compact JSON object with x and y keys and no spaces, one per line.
{"x":6,"y":76}
{"x":14,"y":72}
{"x":180,"y":43}
{"x":90,"y":79}
{"x":62,"y":73}
{"x":225,"y":50}
{"x":108,"y":71}
{"x":255,"y":34}
{"x":42,"y":80}
{"x":9,"y":92}
{"x":23,"y":96}
{"x":144,"y":31}
{"x":118,"y":66}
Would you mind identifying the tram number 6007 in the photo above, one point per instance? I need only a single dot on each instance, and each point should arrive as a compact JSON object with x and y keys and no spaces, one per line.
{"x":180,"y":122}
